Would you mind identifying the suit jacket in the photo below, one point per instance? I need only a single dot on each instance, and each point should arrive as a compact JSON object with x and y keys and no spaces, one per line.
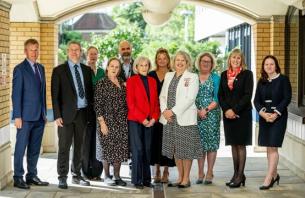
{"x":28,"y":101}
{"x":281,"y":95}
{"x":186,"y":92}
{"x":238,"y":99}
{"x":139,"y":107}
{"x":122,"y":72}
{"x":63,"y":91}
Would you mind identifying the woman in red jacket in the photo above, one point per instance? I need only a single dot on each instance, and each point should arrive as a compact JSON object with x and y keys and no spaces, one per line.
{"x":143,"y":112}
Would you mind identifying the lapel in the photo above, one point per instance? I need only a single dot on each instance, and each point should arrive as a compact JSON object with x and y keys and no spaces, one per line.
{"x":69,"y":76}
{"x":28,"y":68}
{"x":181,"y":82}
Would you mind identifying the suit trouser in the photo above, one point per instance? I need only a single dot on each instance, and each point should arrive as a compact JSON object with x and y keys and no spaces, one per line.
{"x":28,"y":137}
{"x":71,"y":134}
{"x":140,"y":143}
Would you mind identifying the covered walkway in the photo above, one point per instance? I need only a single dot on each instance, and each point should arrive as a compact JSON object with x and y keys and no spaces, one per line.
{"x":256,"y":166}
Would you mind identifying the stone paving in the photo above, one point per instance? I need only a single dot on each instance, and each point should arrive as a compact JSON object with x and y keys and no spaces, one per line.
{"x":256,"y":165}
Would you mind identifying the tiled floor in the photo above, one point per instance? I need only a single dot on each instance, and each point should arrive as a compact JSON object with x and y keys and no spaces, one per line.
{"x":290,"y":184}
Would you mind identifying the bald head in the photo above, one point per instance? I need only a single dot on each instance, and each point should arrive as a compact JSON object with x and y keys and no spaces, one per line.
{"x":125,"y":50}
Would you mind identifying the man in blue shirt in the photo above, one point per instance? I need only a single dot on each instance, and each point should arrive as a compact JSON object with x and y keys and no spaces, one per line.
{"x":72,"y":96}
{"x":29,"y":113}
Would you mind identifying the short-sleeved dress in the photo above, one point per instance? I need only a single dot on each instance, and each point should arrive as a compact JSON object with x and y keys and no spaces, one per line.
{"x":156,"y":150}
{"x":209,"y":128}
{"x":110,"y":102}
{"x":181,"y":142}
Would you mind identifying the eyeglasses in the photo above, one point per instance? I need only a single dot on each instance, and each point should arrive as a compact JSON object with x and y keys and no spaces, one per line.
{"x":205,"y":62}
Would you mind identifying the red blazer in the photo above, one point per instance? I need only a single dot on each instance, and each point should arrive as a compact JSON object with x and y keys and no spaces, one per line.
{"x":139,"y":107}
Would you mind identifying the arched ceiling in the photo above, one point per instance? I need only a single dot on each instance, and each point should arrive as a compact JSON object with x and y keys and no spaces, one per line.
{"x":58,"y":10}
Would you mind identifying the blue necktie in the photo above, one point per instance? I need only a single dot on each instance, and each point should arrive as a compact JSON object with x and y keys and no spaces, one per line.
{"x":80,"y":88}
{"x":37,"y":76}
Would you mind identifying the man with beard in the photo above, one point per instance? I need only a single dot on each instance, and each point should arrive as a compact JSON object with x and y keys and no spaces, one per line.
{"x":125,"y":50}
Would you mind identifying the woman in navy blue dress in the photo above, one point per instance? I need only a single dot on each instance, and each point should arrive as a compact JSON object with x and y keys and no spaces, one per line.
{"x":273,"y":95}
{"x":162,"y":61}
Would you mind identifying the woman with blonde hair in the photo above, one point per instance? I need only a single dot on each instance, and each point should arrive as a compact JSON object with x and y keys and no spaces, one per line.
{"x":162,"y":61}
{"x":143,"y":113}
{"x":181,"y":138}
{"x":208,"y":114}
{"x":235,"y":93}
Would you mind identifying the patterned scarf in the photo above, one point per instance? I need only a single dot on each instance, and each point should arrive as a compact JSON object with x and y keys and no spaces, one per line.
{"x":231,"y":75}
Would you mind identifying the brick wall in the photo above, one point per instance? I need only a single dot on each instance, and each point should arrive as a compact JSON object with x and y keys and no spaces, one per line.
{"x":4,"y":69}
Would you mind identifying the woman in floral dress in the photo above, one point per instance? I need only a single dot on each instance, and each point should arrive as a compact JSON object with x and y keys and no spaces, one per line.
{"x":208,"y":115}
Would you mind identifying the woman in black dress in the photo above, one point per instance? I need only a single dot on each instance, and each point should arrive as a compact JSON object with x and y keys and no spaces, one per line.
{"x":235,"y":92}
{"x":162,"y":61}
{"x":273,"y":95}
{"x":111,"y":111}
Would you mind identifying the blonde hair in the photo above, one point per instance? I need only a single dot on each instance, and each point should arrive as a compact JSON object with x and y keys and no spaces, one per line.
{"x":139,"y":60}
{"x":187,"y":58}
{"x":165,"y":52}
{"x":240,"y":53}
{"x":92,"y":47}
{"x":201,"y":55}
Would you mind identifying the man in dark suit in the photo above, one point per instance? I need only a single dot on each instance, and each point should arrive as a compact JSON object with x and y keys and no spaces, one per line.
{"x":29,"y":112}
{"x":125,"y":50}
{"x":72,"y":96}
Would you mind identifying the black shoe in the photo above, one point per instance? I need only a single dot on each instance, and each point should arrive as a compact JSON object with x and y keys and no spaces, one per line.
{"x":139,"y":186}
{"x":237,"y":184}
{"x":120,"y":182}
{"x":19,"y":183}
{"x":36,"y":181}
{"x":173,"y":184}
{"x":185,"y":185}
{"x":62,"y":183}
{"x":80,"y":180}
{"x":208,"y":182}
{"x":149,"y":185}
{"x":272,"y":182}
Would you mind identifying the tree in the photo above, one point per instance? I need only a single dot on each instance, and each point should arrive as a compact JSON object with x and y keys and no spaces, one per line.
{"x":108,"y":45}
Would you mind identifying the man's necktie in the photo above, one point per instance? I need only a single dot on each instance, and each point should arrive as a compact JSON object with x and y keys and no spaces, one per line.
{"x":37,"y":76}
{"x":80,"y":88}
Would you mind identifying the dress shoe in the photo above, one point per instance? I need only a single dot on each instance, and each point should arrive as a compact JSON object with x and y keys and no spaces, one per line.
{"x":208,"y":180}
{"x":36,"y":181}
{"x":138,"y":186}
{"x":62,"y":183}
{"x":80,"y":180}
{"x":19,"y":183}
{"x":237,"y":184}
{"x":199,"y":181}
{"x":149,"y":185}
{"x":272,"y":182}
{"x":185,"y":185}
{"x":173,"y":184}
{"x":120,"y":182}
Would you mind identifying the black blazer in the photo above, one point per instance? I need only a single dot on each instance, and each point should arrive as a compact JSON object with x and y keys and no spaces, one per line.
{"x":122,"y":72}
{"x":238,"y":99}
{"x":281,"y":94}
{"x":63,"y":91}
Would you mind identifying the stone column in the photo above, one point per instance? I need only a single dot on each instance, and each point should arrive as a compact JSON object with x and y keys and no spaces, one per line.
{"x":5,"y":144}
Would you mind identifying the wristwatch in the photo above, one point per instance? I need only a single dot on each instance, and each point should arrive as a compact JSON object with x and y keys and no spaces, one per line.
{"x":207,"y":109}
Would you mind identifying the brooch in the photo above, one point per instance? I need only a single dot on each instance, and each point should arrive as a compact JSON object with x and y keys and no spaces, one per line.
{"x":187,"y":82}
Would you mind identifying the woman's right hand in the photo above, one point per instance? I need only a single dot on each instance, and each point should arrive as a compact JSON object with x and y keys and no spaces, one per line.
{"x":230,"y":114}
{"x":104,"y":128}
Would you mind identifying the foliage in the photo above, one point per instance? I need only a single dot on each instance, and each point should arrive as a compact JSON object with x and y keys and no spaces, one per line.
{"x":108,"y":45}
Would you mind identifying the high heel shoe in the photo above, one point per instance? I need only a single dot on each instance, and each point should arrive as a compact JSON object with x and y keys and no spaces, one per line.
{"x":235,"y":184}
{"x":277,"y":179}
{"x":269,"y":186}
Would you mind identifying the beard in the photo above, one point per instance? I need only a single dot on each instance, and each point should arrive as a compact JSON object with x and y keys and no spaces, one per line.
{"x":126,"y":56}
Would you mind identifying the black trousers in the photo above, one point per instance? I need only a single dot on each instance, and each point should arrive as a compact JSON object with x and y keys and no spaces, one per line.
{"x":71,"y":134}
{"x":140,"y":144}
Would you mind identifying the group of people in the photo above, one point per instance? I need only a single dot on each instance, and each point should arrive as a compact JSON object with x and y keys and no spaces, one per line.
{"x":163,"y":117}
